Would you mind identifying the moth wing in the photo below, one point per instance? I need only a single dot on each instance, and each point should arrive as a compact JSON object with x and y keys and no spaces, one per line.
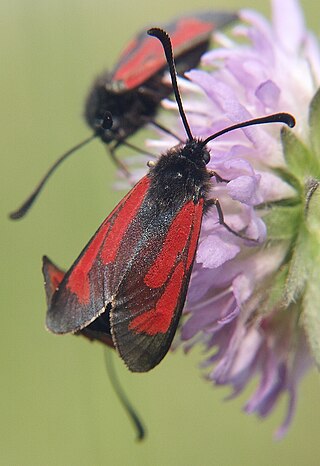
{"x":149,"y":301}
{"x":98,"y":329}
{"x":52,"y":275}
{"x":144,"y":57}
{"x":81,"y":296}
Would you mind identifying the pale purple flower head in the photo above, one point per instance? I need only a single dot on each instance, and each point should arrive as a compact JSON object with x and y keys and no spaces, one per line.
{"x":251,"y":304}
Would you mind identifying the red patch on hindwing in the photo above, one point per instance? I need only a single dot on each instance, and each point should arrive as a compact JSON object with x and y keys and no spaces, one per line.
{"x":158,"y":320}
{"x":175,"y":242}
{"x":112,"y":231}
{"x":99,"y":330}
{"x":52,"y":277}
{"x":56,"y":276}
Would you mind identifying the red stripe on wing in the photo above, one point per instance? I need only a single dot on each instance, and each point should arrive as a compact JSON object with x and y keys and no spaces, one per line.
{"x":56,"y":276}
{"x":130,"y":48}
{"x":149,"y":58}
{"x":175,"y":242}
{"x":120,"y":226}
{"x":158,"y":320}
{"x":78,"y":281}
{"x":177,"y":254}
{"x":52,"y":277}
{"x":144,"y":319}
{"x":99,"y":330}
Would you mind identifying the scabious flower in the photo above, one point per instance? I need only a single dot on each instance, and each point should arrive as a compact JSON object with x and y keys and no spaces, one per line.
{"x":255,"y":306}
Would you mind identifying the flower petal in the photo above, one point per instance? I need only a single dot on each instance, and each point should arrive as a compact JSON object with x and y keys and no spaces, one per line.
{"x":245,"y":189}
{"x":214,"y":251}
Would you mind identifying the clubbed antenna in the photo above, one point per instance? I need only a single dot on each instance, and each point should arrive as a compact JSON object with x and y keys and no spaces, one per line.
{"x":164,"y":38}
{"x":167,"y":47}
{"x":285,"y":118}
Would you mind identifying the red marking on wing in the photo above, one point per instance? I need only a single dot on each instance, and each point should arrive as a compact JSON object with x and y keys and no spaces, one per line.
{"x":195,"y":233}
{"x":133,"y":44}
{"x":149,"y":58}
{"x":53,"y":277}
{"x":158,"y":320}
{"x":175,"y":242}
{"x":128,"y":212}
{"x":109,"y":235}
{"x":78,"y":282}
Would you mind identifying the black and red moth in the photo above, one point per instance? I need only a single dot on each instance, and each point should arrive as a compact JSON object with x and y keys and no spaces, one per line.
{"x":129,"y":283}
{"x":134,"y":89}
{"x":122,"y":101}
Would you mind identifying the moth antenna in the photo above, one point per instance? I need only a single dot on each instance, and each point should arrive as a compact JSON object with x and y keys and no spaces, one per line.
{"x":106,"y":122}
{"x":285,"y":118}
{"x":167,"y":47}
{"x":122,"y":396}
{"x":23,"y":209}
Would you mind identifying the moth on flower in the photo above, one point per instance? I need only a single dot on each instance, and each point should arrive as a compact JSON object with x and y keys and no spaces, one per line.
{"x":255,"y":308}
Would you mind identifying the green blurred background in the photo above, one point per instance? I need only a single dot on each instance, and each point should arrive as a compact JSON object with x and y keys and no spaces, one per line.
{"x":57,"y":406}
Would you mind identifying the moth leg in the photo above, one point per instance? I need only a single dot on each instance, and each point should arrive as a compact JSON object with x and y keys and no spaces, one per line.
{"x":218,"y":178}
{"x":217,"y":205}
{"x":137,"y":149}
{"x":165,"y":130}
{"x":120,"y":165}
